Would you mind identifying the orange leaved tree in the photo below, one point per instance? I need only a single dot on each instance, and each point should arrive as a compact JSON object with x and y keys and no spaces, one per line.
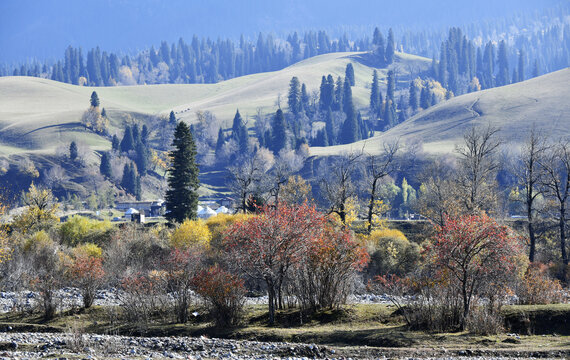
{"x":269,"y":245}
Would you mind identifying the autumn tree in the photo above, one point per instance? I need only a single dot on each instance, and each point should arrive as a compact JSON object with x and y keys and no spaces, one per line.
{"x":244,"y":178}
{"x":338,"y":187}
{"x":40,"y":211}
{"x":529,"y":176}
{"x":473,"y":253}
{"x":556,"y":167}
{"x":477,"y":169}
{"x":268,"y":246}
{"x":86,"y":271}
{"x":378,"y":167}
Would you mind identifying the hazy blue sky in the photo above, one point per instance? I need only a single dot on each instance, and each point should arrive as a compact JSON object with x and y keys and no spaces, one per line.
{"x":43,"y":28}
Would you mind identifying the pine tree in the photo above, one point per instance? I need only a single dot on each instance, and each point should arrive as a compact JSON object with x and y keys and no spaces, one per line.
{"x":349,"y":74}
{"x":339,"y":89}
{"x":236,"y":124}
{"x":142,"y":158}
{"x":279,"y":134}
{"x":220,"y":142}
{"x":413,"y":97}
{"x":128,"y":142}
{"x":379,"y":45}
{"x":138,"y":188}
{"x":144,"y":134}
{"x":305,"y":105}
{"x":103,"y":112}
{"x":425,"y":98}
{"x":389,"y":114}
{"x":521,"y":66}
{"x":73,"y":152}
{"x":294,"y":96}
{"x":94,"y":99}
{"x":374,"y":95}
{"x":350,"y":130}
{"x":390,"y":47}
{"x":136,"y":134}
{"x":105,"y":167}
{"x":503,"y":61}
{"x":183,"y":183}
{"x":391,"y":86}
{"x":172,"y":118}
{"x":329,"y":127}
{"x":115,"y":143}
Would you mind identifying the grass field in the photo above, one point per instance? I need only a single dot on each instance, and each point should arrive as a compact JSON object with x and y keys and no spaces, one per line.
{"x":40,"y":115}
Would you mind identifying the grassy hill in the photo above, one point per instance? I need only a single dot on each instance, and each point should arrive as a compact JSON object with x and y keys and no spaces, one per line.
{"x":515,"y":109}
{"x":38,"y":115}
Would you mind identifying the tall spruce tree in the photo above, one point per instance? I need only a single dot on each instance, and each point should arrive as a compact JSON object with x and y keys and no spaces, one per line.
{"x":279,"y":134}
{"x":379,"y":45}
{"x":294,"y":96}
{"x":521,"y":69}
{"x":142,"y":159}
{"x":350,"y":129}
{"x":94,"y":99}
{"x":413,"y":97}
{"x":73,"y":151}
{"x":391,"y":86}
{"x":183,"y":183}
{"x":503,"y":61}
{"x":115,"y":143}
{"x":128,"y":142}
{"x":329,"y":127}
{"x":349,"y":74}
{"x":390,"y":47}
{"x":105,"y":167}
{"x":172,"y":118}
{"x":374,"y":96}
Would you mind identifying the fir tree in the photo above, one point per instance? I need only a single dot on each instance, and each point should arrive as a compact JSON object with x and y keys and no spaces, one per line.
{"x":142,"y":158}
{"x":424,"y":98}
{"x":105,"y":166}
{"x":294,"y":96}
{"x":305,"y":100}
{"x":503,"y":61}
{"x":390,"y":47}
{"x":350,"y":130}
{"x":391,"y":86}
{"x":172,"y":118}
{"x":183,"y":183}
{"x":144,"y":134}
{"x":94,"y":99}
{"x":374,"y":95}
{"x":73,"y":152}
{"x":279,"y":134}
{"x":379,"y":45}
{"x":236,"y":124}
{"x":349,"y":74}
{"x":329,"y":127}
{"x":339,"y":89}
{"x":521,"y":66}
{"x":103,"y":112}
{"x":220,"y":142}
{"x":389,"y":114}
{"x":413,"y":97}
{"x":128,"y":142}
{"x":115,"y":143}
{"x":138,"y":188}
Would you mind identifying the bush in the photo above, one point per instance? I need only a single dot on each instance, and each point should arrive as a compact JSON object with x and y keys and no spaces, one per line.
{"x":143,"y":297}
{"x":80,"y":229}
{"x":180,"y":268}
{"x":485,"y":321}
{"x":191,"y":233}
{"x":224,"y":294}
{"x":86,"y":271}
{"x":219,"y":224}
{"x":391,"y":253}
{"x":538,"y":288}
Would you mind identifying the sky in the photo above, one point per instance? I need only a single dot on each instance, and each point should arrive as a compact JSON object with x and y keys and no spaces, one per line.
{"x":42,"y":29}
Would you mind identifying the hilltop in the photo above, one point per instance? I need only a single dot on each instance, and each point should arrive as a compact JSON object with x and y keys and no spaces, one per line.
{"x":38,"y":115}
{"x":541,"y":102}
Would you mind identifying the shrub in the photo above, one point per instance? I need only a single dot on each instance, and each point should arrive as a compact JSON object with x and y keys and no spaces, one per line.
{"x":80,"y":229}
{"x":485,"y":321}
{"x":142,"y":297}
{"x":219,"y":224}
{"x":326,"y":274}
{"x":391,"y":253}
{"x":538,"y":288}
{"x":224,"y":294}
{"x":86,"y":271}
{"x":191,"y":233}
{"x":180,"y":268}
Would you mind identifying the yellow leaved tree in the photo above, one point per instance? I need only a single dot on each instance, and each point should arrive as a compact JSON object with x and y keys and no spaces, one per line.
{"x":40,"y":211}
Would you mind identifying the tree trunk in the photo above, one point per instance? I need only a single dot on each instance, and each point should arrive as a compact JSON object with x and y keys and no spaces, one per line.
{"x":563,"y":243}
{"x":271,"y":301}
{"x":532,"y":240}
{"x":371,"y":205}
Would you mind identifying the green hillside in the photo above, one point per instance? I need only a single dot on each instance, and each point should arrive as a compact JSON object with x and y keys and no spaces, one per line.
{"x":542,"y":102}
{"x":38,"y":115}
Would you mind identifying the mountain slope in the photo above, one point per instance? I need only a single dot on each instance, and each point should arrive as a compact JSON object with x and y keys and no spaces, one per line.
{"x":541,"y":102}
{"x":37,"y":115}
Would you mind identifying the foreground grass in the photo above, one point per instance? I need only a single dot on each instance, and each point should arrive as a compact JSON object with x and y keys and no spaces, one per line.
{"x":357,"y":327}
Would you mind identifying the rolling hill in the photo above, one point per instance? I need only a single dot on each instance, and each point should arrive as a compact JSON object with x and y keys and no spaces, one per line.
{"x":541,"y":102}
{"x":38,"y":115}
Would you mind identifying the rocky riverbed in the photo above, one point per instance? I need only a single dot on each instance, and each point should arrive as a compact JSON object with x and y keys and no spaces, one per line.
{"x":89,"y":346}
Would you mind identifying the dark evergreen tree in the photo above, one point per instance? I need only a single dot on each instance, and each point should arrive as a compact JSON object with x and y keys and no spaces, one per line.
{"x":144,"y":134}
{"x":279,"y":132}
{"x":379,"y":45}
{"x":128,"y":142}
{"x":349,"y":74}
{"x":73,"y":152}
{"x":138,"y":188}
{"x":143,"y":158}
{"x":350,"y":130}
{"x":413,"y":97}
{"x":105,"y":166}
{"x":375,"y":102}
{"x":294,"y":96}
{"x":136,"y":134}
{"x":129,"y":179}
{"x":329,"y":127}
{"x":521,"y":69}
{"x":339,"y":89}
{"x":326,"y":93}
{"x":103,"y":112}
{"x":236,"y":124}
{"x":220,"y":142}
{"x":305,"y":101}
{"x":389,"y":114}
{"x":425,"y":99}
{"x":390,"y":47}
{"x":391,"y":86}
{"x":115,"y":143}
{"x":243,"y":140}
{"x":94,"y":99}
{"x":183,"y":183}
{"x":503,"y":62}
{"x":172,"y":118}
